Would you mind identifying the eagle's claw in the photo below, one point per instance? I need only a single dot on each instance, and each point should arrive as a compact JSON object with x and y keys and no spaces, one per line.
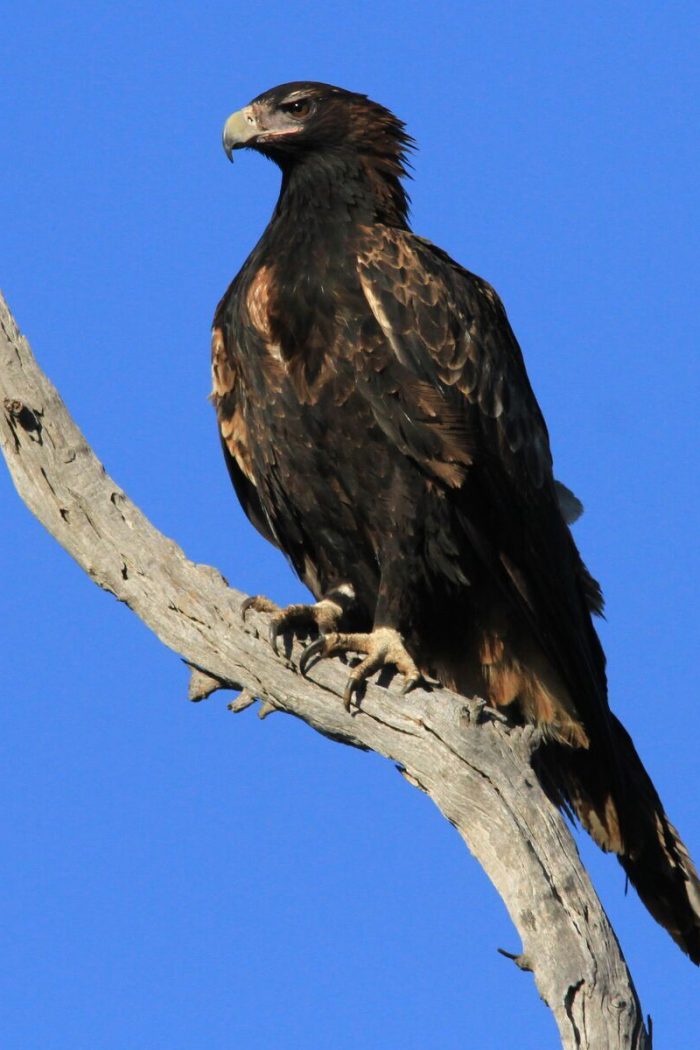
{"x":383,"y":647}
{"x":321,"y":617}
{"x":314,"y":648}
{"x":274,"y":631}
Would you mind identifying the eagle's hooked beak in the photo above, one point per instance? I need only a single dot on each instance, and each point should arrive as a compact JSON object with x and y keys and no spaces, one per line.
{"x":239,"y":129}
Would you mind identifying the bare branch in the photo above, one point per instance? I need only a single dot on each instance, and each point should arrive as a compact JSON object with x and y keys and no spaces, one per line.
{"x":474,"y":766}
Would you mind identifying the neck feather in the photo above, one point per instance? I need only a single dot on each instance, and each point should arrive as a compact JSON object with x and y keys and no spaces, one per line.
{"x":342,"y":187}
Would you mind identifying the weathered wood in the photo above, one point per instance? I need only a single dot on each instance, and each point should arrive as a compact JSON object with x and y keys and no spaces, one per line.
{"x":472,"y":763}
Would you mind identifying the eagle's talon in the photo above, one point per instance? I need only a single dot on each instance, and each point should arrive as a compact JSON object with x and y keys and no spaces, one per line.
{"x":352,"y":686}
{"x":313,"y":649}
{"x":410,"y":683}
{"x":273,"y":634}
{"x":357,"y":679}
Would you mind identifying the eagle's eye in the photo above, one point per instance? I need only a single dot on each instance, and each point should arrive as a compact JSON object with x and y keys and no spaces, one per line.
{"x":299,"y":108}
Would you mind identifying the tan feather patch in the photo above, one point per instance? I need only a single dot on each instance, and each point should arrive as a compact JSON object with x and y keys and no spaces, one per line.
{"x":258,"y":301}
{"x":235,"y":434}
{"x":509,"y":671}
{"x":223,"y":376}
{"x":228,"y":410}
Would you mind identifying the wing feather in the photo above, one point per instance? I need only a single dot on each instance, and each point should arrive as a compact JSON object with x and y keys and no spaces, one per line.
{"x":448,"y":328}
{"x":448,"y":354}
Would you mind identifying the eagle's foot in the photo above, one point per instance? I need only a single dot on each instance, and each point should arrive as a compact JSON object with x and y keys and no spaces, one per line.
{"x":384,"y":647}
{"x":323,"y":617}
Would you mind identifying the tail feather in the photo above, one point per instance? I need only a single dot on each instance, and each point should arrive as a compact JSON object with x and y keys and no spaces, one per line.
{"x":623,"y":813}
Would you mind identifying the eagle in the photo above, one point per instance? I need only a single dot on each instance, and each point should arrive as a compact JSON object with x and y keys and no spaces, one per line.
{"x":380,"y":429}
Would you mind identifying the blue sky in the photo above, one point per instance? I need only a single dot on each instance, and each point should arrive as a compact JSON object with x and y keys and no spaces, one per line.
{"x":176,"y":877}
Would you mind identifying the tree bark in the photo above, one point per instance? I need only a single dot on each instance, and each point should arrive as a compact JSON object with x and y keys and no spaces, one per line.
{"x":469,"y":760}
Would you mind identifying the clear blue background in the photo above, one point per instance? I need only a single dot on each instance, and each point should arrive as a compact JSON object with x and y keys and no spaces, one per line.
{"x":172,"y":876}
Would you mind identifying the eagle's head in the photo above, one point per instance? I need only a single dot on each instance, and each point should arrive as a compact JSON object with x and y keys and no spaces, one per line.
{"x":295,"y":121}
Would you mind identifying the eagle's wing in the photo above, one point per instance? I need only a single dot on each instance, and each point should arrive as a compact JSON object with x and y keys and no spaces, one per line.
{"x":233,"y":431}
{"x":447,"y":383}
{"x":448,"y":332}
{"x":235,"y":339}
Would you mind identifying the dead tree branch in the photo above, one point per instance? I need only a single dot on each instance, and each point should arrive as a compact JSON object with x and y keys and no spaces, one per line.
{"x":474,"y":766}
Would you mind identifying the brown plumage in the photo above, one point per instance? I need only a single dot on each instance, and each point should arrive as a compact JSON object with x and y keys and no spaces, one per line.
{"x":379,"y":427}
